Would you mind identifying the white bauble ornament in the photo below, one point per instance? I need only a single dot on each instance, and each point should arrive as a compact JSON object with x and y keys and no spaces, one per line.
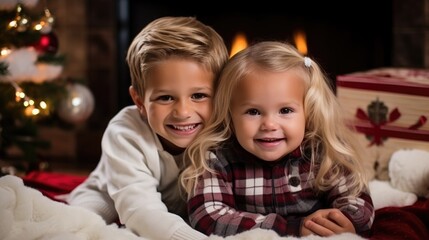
{"x":78,"y":105}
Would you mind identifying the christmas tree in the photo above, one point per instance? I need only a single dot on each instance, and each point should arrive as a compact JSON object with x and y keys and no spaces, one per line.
{"x":32,"y":90}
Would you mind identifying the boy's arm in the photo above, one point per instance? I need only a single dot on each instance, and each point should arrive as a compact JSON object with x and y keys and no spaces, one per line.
{"x":134,"y":172}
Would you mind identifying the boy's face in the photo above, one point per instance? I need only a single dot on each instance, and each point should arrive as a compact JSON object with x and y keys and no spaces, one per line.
{"x":178,"y":101}
{"x":268,"y":113}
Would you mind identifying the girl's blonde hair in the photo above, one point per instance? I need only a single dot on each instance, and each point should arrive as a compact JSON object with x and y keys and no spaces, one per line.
{"x":333,"y":151}
{"x":182,"y":37}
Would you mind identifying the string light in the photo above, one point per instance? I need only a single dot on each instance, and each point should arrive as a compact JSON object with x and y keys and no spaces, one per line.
{"x":5,"y":51}
{"x":45,"y":23}
{"x":20,"y":23}
{"x":28,"y":103}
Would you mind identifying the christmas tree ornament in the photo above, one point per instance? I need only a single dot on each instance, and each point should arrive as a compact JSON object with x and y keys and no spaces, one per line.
{"x":48,"y":43}
{"x":78,"y":104}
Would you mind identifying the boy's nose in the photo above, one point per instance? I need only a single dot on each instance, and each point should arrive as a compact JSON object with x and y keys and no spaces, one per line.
{"x":182,"y":110}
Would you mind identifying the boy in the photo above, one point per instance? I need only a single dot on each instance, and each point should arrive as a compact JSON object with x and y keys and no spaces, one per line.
{"x":174,"y":63}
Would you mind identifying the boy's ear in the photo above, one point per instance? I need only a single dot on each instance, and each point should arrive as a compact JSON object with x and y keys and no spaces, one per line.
{"x":137,"y":100}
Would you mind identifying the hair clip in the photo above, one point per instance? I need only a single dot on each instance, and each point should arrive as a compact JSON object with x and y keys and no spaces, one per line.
{"x":307,"y":62}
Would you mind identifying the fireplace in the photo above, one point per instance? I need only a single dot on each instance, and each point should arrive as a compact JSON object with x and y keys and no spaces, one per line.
{"x":342,"y":36}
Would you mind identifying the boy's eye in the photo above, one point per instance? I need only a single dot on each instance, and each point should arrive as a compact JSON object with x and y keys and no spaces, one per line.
{"x":253,"y":112}
{"x":164,"y":98}
{"x":285,"y":110}
{"x":199,"y":96}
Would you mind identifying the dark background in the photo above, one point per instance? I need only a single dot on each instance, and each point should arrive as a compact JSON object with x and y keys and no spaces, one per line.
{"x":343,"y":37}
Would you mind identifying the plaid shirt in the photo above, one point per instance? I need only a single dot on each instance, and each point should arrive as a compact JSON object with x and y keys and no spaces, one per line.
{"x":249,"y":193}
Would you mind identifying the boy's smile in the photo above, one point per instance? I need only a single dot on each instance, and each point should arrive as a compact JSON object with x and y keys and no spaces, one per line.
{"x":178,"y":101}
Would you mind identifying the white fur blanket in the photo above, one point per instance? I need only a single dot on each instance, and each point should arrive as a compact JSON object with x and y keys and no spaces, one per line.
{"x":26,"y":214}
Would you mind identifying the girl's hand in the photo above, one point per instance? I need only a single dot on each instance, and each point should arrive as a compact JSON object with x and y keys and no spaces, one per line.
{"x":326,"y":222}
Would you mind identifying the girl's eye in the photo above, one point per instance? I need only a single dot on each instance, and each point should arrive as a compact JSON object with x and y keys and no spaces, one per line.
{"x":285,"y":110}
{"x":165,"y":98}
{"x":198,"y":96}
{"x":253,"y":112}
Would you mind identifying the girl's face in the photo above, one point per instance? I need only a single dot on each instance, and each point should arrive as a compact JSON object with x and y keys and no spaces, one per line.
{"x":178,"y":101}
{"x":267,"y":111}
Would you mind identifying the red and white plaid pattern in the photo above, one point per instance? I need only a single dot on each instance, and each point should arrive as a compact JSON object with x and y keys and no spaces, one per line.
{"x":248,"y":193}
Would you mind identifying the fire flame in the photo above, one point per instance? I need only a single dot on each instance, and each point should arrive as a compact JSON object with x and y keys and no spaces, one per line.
{"x":239,"y":43}
{"x":300,"y":41}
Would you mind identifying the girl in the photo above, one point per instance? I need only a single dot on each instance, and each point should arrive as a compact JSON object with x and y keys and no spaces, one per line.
{"x":279,"y":156}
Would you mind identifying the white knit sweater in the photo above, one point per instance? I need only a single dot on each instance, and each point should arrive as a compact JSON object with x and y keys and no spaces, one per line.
{"x":139,"y":178}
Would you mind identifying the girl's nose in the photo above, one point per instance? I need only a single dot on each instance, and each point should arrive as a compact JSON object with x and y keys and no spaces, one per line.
{"x":268,"y":124}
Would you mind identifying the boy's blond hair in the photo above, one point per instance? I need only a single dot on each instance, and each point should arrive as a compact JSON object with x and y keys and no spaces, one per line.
{"x":180,"y":37}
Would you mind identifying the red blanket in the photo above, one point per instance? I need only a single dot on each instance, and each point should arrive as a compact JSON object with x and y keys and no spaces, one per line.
{"x":410,"y":222}
{"x":52,"y":184}
{"x":391,"y":223}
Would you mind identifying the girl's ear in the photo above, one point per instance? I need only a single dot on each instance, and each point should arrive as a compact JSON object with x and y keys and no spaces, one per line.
{"x":137,"y":100}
